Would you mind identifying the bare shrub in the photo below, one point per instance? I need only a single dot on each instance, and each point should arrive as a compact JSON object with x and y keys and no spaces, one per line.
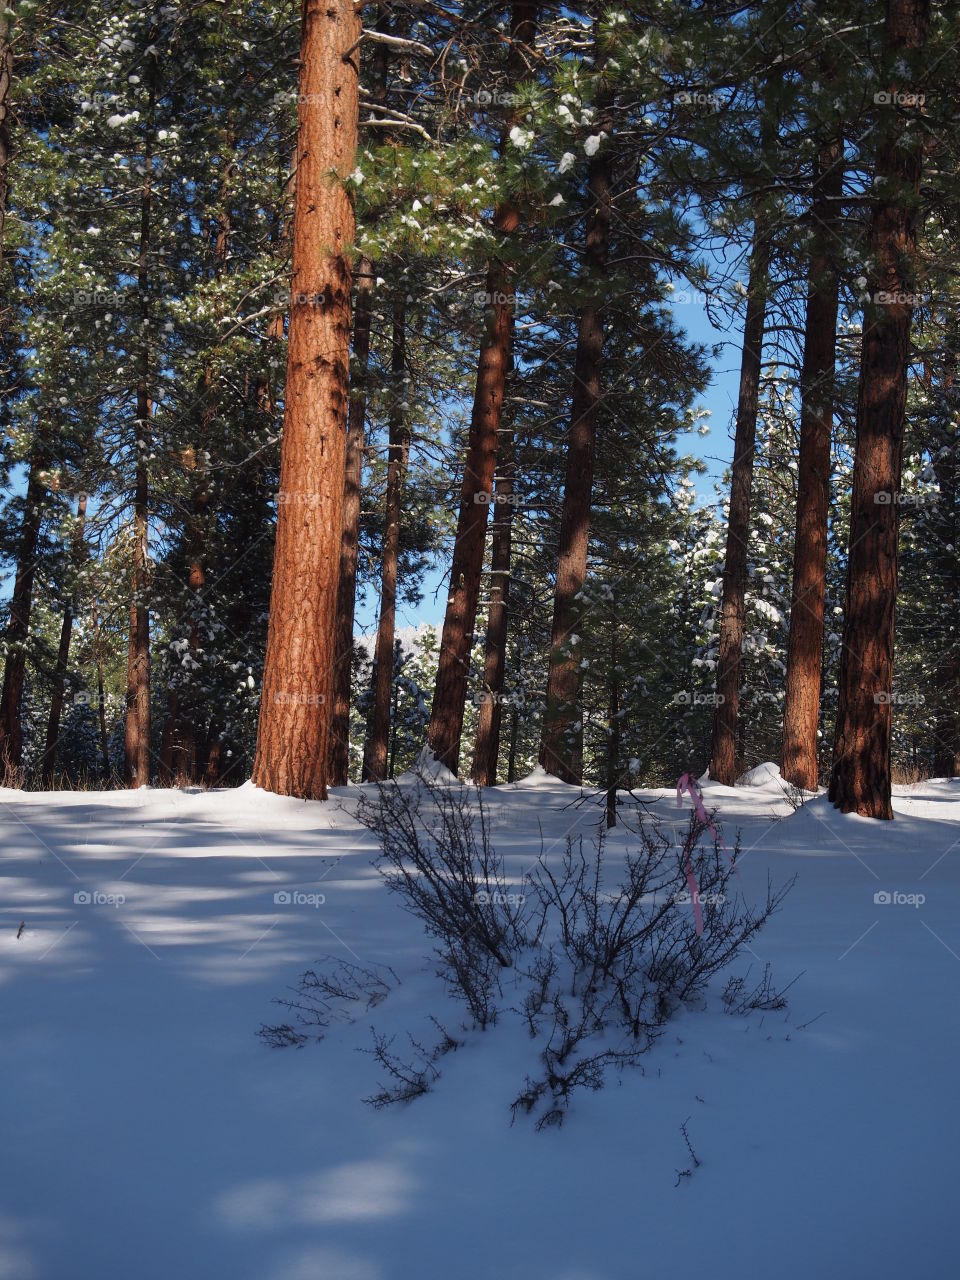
{"x":408,"y":1080}
{"x":436,"y":853}
{"x":614,"y":965}
{"x":740,"y":999}
{"x":599,"y":962}
{"x":323,"y":996}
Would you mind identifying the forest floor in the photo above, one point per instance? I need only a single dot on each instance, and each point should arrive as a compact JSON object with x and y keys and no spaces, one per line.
{"x":149,"y":1134}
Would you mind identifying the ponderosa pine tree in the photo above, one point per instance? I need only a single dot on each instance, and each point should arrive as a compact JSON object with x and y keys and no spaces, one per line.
{"x":18,"y":625}
{"x":487,"y":748}
{"x":136,"y":770}
{"x":353,"y":474}
{"x":861,"y":779}
{"x":456,"y":640}
{"x":6,"y":81}
{"x":296,"y":694}
{"x":378,"y":734}
{"x":561,"y":750}
{"x":805,"y":645}
{"x":77,"y":556}
{"x":723,"y":749}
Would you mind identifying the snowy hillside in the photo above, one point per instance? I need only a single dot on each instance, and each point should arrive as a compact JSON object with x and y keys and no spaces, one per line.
{"x":149,"y":1133}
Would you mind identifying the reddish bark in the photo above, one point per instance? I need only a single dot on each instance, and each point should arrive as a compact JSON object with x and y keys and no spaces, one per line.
{"x":6,"y":78}
{"x":378,"y":737}
{"x":18,"y":626}
{"x":723,"y":750}
{"x":456,"y":640}
{"x":353,"y":476}
{"x":350,"y":536}
{"x":487,"y":749}
{"x":561,"y":748}
{"x":861,"y":779}
{"x":137,"y":745}
{"x":294,"y":727}
{"x":805,"y":645}
{"x":78,"y":550}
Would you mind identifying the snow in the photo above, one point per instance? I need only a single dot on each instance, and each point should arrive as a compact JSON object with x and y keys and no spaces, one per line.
{"x":149,"y":1133}
{"x":763,"y":775}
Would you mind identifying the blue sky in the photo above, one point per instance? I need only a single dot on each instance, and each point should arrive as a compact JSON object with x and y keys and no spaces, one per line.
{"x":715,"y":449}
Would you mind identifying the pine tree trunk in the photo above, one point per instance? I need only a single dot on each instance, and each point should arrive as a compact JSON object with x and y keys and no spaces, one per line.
{"x":353,"y":479}
{"x":613,"y":738}
{"x":512,"y":756}
{"x":946,"y":754}
{"x":295,"y":706}
{"x":723,"y":750}
{"x":350,"y":537}
{"x":378,"y":737}
{"x":18,"y":627}
{"x":456,"y":641}
{"x":6,"y":79}
{"x":861,"y":780}
{"x":490,"y":715}
{"x":561,"y":748}
{"x":101,"y":703}
{"x":137,"y":750}
{"x":805,"y":645}
{"x":63,"y":652}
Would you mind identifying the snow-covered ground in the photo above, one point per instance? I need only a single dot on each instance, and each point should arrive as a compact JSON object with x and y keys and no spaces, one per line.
{"x":148,"y":1133}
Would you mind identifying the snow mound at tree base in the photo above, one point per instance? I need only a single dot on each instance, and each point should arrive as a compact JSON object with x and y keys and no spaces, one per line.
{"x":429,"y":767}
{"x":763,"y":775}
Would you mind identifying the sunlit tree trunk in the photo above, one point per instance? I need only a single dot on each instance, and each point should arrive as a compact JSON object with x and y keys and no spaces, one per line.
{"x":295,"y":707}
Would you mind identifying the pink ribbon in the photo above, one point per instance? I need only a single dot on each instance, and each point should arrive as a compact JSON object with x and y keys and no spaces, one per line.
{"x":689,"y":784}
{"x":694,"y":895}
